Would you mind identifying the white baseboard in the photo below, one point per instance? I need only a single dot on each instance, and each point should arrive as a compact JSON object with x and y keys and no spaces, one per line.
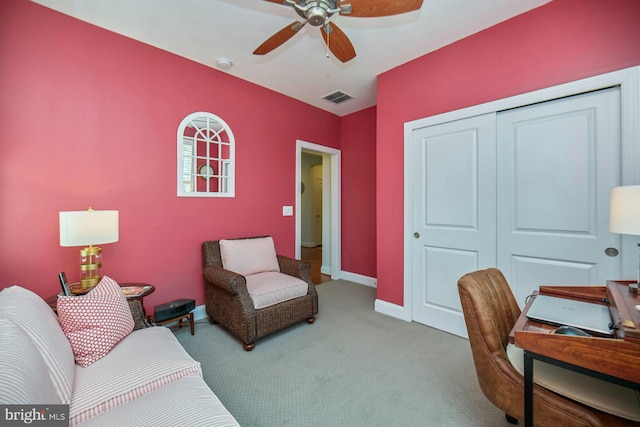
{"x":308,"y":244}
{"x":392,"y":310}
{"x":325,"y":270}
{"x":359,"y":278}
{"x":199,"y":313}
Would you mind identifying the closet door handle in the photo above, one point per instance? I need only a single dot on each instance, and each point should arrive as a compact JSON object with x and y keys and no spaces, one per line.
{"x":612,"y":252}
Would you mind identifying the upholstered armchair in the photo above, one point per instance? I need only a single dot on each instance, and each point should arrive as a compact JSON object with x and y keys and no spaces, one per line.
{"x":252,"y":292}
{"x":490,"y":311}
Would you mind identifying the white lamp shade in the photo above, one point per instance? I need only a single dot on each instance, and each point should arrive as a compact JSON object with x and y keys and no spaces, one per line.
{"x":81,"y":228}
{"x":624,"y":211}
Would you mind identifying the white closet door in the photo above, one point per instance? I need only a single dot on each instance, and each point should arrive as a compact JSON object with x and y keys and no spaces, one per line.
{"x":454,"y":217}
{"x":557,"y":162}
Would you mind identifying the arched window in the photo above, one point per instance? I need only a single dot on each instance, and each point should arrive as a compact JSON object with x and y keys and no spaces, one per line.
{"x":206,"y":157}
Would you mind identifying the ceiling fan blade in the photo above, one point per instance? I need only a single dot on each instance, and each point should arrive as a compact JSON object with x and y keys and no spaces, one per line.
{"x":374,"y":8}
{"x":279,"y":38}
{"x":277,"y":1}
{"x":338,"y":42}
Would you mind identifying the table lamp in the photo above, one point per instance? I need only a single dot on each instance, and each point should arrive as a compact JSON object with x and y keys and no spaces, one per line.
{"x":624,"y":217}
{"x":80,"y":228}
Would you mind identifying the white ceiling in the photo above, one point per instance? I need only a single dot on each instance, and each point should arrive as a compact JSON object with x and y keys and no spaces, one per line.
{"x":204,"y":30}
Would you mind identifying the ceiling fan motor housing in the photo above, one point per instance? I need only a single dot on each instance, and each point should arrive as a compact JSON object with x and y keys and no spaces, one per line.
{"x":316,"y":16}
{"x":316,"y":12}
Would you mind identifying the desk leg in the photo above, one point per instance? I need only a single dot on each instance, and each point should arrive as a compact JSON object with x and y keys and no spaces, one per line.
{"x":528,"y":389}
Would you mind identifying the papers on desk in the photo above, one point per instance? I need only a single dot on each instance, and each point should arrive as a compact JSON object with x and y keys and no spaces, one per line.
{"x":590,"y":317}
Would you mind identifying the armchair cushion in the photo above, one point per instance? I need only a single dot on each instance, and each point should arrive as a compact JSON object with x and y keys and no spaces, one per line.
{"x":271,"y":288}
{"x":249,"y":256}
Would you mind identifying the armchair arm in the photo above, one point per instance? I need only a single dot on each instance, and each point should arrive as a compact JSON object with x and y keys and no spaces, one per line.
{"x":225,"y":279}
{"x":295,"y":268}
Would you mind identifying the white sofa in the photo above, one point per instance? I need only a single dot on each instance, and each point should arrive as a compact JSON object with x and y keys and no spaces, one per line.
{"x":146,"y":379}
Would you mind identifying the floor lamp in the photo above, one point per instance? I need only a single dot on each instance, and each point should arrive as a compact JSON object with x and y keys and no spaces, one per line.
{"x":624,"y":217}
{"x":90,"y":227}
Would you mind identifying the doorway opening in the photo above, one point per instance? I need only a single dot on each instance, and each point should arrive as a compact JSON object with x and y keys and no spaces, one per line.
{"x":311,"y":215}
{"x":317,"y":209}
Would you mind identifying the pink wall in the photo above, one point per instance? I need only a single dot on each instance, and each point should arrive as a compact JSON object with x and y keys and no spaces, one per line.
{"x":562,"y":41}
{"x":89,"y":118}
{"x":358,"y":192}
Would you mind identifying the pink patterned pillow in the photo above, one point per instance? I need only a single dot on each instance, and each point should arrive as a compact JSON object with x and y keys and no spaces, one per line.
{"x":94,"y":323}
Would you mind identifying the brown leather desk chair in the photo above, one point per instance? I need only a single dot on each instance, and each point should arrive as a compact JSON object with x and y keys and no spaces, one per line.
{"x":490,"y":311}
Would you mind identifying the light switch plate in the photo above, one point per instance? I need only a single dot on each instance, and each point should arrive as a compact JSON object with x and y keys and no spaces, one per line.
{"x":287,"y":211}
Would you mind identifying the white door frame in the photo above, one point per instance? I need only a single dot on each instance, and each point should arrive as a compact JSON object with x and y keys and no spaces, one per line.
{"x":629,"y":81}
{"x":334,"y":190}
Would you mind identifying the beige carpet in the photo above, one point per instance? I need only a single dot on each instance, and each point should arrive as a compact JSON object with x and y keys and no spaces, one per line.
{"x":353,"y":367}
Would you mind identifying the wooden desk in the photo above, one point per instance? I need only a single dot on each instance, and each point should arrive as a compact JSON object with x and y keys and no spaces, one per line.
{"x":612,"y":359}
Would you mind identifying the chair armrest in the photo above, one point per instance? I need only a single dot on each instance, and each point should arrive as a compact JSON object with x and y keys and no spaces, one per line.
{"x":225,"y":279}
{"x":295,"y":268}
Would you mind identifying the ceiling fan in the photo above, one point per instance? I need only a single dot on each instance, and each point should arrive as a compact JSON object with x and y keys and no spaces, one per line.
{"x":318,"y":12}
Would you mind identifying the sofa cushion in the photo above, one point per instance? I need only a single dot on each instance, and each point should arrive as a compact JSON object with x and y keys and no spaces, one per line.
{"x":185,"y":402}
{"x":603,"y":395}
{"x":249,"y":256}
{"x":38,"y":322}
{"x":95,"y":322}
{"x":144,"y":361}
{"x":271,"y":288}
{"x":24,"y":376}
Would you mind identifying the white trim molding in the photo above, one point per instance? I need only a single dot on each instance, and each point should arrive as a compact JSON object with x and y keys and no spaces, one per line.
{"x":200,"y":313}
{"x":390,"y":309}
{"x":359,"y":278}
{"x":336,"y":235}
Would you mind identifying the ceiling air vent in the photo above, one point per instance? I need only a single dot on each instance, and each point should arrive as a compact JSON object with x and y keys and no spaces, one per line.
{"x":337,"y":97}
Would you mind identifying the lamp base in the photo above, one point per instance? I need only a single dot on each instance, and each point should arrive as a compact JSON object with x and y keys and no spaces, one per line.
{"x":89,"y":282}
{"x":90,"y":267}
